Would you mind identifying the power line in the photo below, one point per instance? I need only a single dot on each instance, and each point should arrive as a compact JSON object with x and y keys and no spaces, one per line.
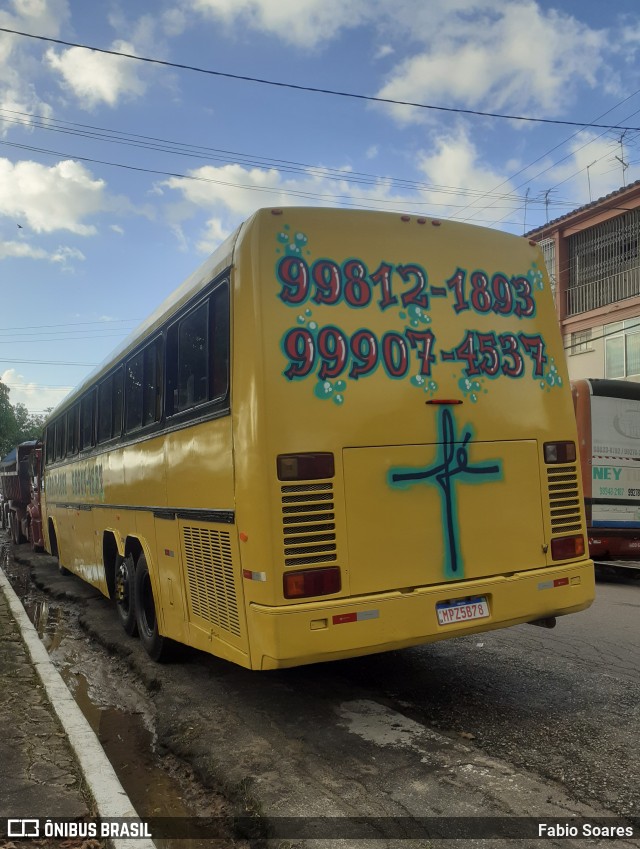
{"x":277,"y":190}
{"x":34,"y":337}
{"x":283,"y":165}
{"x":71,"y":324}
{"x":313,"y":89}
{"x":25,"y":387}
{"x":555,"y":147}
{"x":46,"y":362}
{"x":244,"y":159}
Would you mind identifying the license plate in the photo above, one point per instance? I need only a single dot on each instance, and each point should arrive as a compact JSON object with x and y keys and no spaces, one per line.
{"x":462,"y":610}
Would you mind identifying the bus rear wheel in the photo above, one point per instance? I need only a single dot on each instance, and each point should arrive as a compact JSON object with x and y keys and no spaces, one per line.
{"x":125,"y":595}
{"x":158,"y":648}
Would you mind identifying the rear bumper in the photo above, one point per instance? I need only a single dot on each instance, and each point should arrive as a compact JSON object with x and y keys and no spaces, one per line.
{"x":329,"y":630}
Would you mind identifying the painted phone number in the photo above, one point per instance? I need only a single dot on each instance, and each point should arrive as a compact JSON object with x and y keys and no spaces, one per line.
{"x":331,"y":352}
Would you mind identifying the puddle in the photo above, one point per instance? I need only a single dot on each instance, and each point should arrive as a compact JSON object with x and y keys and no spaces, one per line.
{"x":46,"y":620}
{"x":129,"y":746}
{"x":123,"y":734}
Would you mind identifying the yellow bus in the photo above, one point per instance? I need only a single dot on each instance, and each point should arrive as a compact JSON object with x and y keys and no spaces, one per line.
{"x":347,"y":432}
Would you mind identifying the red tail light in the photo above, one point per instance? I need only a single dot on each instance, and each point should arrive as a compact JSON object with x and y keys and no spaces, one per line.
{"x":305,"y":467}
{"x":312,"y":582}
{"x":565,"y":548}
{"x":559,"y":452}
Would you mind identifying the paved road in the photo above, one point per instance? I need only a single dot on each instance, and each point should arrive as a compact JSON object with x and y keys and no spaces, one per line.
{"x":564,"y":703}
{"x":524,"y":722}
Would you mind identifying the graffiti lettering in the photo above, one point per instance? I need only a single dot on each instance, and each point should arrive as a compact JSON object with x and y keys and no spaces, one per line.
{"x":451,"y":465}
{"x":406,"y":347}
{"x":330,"y":352}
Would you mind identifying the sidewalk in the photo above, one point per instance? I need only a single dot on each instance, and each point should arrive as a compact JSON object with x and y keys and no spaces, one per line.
{"x":51,"y":763}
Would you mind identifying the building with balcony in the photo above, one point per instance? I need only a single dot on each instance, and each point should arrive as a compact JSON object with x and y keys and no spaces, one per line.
{"x":594,"y":264}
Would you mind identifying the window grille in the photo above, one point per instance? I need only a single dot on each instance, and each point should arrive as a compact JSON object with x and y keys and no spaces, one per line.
{"x":604,"y":265}
{"x":580,"y":342}
{"x":549,"y":253}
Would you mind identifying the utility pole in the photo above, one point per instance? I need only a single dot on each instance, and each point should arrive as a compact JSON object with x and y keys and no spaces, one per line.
{"x":546,"y":203}
{"x":524,"y":223}
{"x":620,"y":159}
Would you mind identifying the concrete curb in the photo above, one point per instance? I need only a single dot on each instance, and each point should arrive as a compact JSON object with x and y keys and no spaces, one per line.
{"x":111,"y":800}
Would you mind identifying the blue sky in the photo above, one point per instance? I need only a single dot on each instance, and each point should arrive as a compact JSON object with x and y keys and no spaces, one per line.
{"x":118,"y":177}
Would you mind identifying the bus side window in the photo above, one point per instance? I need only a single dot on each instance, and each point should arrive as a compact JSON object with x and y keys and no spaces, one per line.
{"x":61,"y":436}
{"x":193,"y":343}
{"x":87,"y":421}
{"x":133,"y":392}
{"x":118,"y":402}
{"x":73,"y":424}
{"x":110,"y":406}
{"x":143,"y":389}
{"x":49,"y":439}
{"x":104,"y":409}
{"x":152,"y":386}
{"x":197,"y":358}
{"x":220,"y":341}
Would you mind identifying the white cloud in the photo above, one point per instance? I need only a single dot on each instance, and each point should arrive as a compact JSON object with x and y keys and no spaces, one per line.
{"x":97,"y":78}
{"x":174,"y":22}
{"x":457,"y":182}
{"x":384,"y":51}
{"x":50,"y":198}
{"x":62,"y":256}
{"x":18,"y":65}
{"x":229,"y":194}
{"x":49,"y":16}
{"x":303,"y":23}
{"x":21,"y":250}
{"x":231,"y":186}
{"x":455,"y":165}
{"x":32,"y":395}
{"x":513,"y":56}
{"x":215,"y":233}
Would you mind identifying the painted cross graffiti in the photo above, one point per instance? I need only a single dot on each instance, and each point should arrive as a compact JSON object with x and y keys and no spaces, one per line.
{"x":451,"y":467}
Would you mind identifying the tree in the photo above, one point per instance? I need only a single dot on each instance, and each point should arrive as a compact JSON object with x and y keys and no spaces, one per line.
{"x":17,"y":424}
{"x":8,"y":424}
{"x":29,"y":425}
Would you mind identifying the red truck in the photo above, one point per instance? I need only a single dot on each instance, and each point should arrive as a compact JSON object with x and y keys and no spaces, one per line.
{"x":20,"y":485}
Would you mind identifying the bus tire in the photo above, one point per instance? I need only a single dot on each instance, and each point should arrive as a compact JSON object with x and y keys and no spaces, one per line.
{"x":158,"y":648}
{"x":125,"y":596}
{"x":53,"y":544}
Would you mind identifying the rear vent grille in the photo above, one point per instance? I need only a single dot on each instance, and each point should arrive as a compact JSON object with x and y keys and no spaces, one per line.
{"x":212,"y":589}
{"x":564,"y":499}
{"x":308,"y":524}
